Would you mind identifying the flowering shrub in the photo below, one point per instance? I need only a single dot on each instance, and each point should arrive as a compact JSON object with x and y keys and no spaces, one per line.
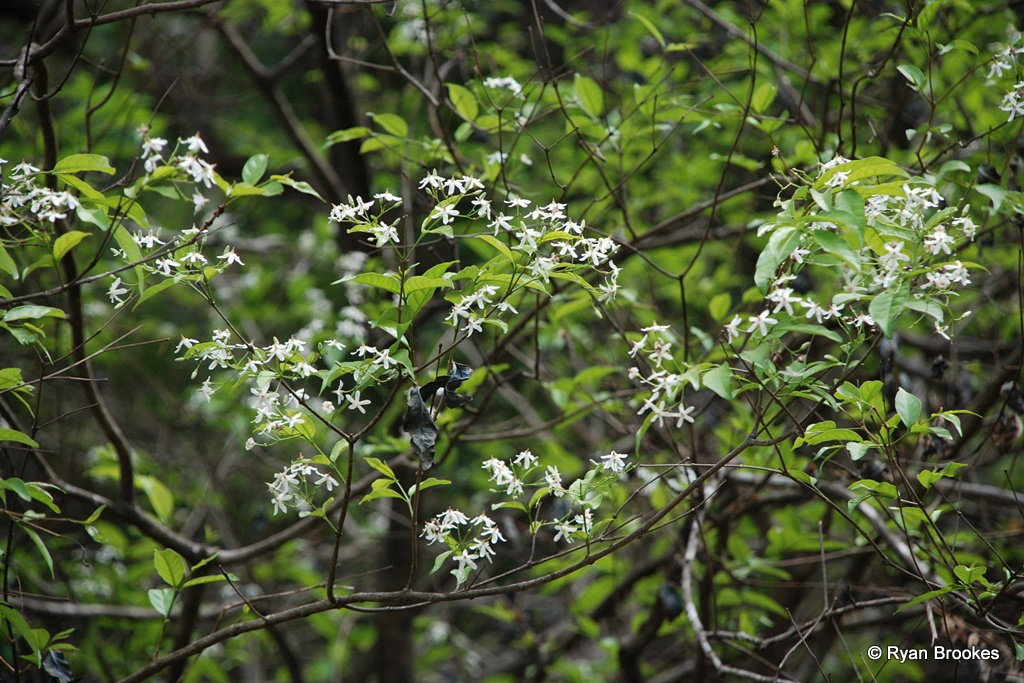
{"x":601,"y":347}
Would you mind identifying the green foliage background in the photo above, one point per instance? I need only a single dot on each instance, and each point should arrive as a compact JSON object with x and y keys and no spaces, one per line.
{"x":677,"y":128}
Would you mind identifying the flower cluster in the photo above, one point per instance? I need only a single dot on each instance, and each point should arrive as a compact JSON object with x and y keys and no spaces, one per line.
{"x":274,"y":412}
{"x":917,"y":231}
{"x":1008,"y":61}
{"x":468,"y":539}
{"x":199,"y":170}
{"x":25,"y":199}
{"x":294,"y":486}
{"x":541,"y":240}
{"x":506,"y":83}
{"x":665,"y":400}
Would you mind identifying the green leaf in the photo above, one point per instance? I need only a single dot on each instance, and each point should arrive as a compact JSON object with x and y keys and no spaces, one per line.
{"x":820,"y":432}
{"x":254,"y":168}
{"x":389,"y":283}
{"x":346,"y":134}
{"x":837,"y":246}
{"x":719,"y":306}
{"x":780,"y":246}
{"x":927,"y":596}
{"x":160,"y":497}
{"x":17,"y":437}
{"x":17,"y":621}
{"x":162,"y":599}
{"x":41,"y":495}
{"x":67,"y":242}
{"x":418,"y":282}
{"x":127,"y":244}
{"x":439,"y":560}
{"x":464,"y":101}
{"x":885,"y":307}
{"x":170,"y":566}
{"x":995,"y":193}
{"x":381,"y":466}
{"x":497,"y":244}
{"x":380,"y":493}
{"x":199,"y":580}
{"x":914,"y":75}
{"x":429,"y":482}
{"x":650,"y":27}
{"x":154,"y":290}
{"x":908,"y":407}
{"x":763,"y":97}
{"x":857,"y":449}
{"x":7,"y":263}
{"x":10,"y":378}
{"x":80,"y":163}
{"x":40,"y":546}
{"x":32,"y":312}
{"x":589,"y":94}
{"x":719,"y":380}
{"x":392,"y":123}
{"x":300,"y":185}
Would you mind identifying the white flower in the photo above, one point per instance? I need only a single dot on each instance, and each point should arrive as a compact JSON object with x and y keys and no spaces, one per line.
{"x":387,"y":197}
{"x":452,"y":518}
{"x":115,"y":293}
{"x":186,"y":342}
{"x":864,"y":319}
{"x":483,"y":206}
{"x":893,"y":256}
{"x":164,"y":265}
{"x":685,"y":415}
{"x":198,"y":201}
{"x":761,"y":322}
{"x":507,"y":82}
{"x":553,"y":479}
{"x":229,"y":256}
{"x":466,"y":564}
{"x":614,"y":462}
{"x":784,"y":299}
{"x":838,"y":179}
{"x":364,"y":349}
{"x":446,"y":213}
{"x":193,"y":257}
{"x":195,"y":144}
{"x":206,"y":391}
{"x":798,"y":254}
{"x":473,"y":324}
{"x":957,"y":273}
{"x":151,"y":146}
{"x":149,"y":240}
{"x":967,"y":225}
{"x":432,"y":532}
{"x":514,"y":201}
{"x":432,"y":179}
{"x":500,"y":221}
{"x":327,"y":481}
{"x":384,"y":359}
{"x":813,"y":310}
{"x":355,"y":404}
{"x":938,"y":241}
{"x":525,"y":459}
{"x":515,"y":487}
{"x":565,"y":530}
{"x":732,"y":329}
{"x":501,"y":474}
